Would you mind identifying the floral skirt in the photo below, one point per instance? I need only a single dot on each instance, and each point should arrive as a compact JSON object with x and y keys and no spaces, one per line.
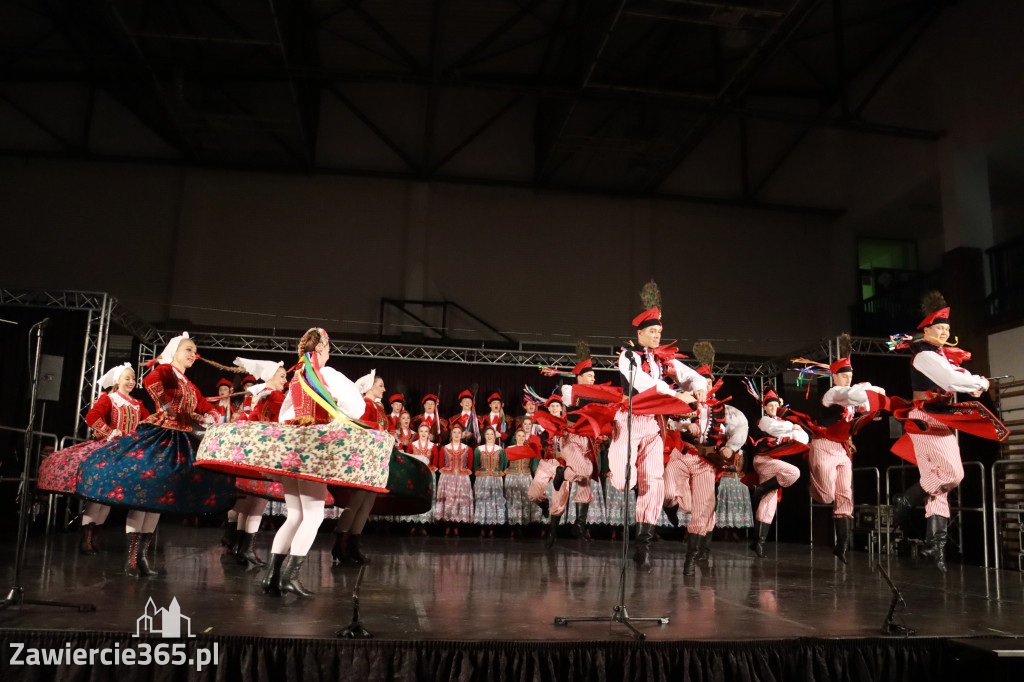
{"x":269,"y":490}
{"x":521,"y":510}
{"x":733,"y":506}
{"x":409,"y":489}
{"x":598,"y":514}
{"x":337,"y":453}
{"x":153,"y":470}
{"x":454,"y":499}
{"x":58,"y":473}
{"x":489,"y":500}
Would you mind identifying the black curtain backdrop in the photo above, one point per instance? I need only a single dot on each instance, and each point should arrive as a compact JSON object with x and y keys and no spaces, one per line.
{"x":249,"y":659}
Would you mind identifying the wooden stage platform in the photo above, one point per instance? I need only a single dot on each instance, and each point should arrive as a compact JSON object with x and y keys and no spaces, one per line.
{"x":476,"y":593}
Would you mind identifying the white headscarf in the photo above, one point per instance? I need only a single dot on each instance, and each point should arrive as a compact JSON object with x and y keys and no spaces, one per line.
{"x":172,"y":347}
{"x":365,"y":382}
{"x":113,"y":375}
{"x":263,"y":370}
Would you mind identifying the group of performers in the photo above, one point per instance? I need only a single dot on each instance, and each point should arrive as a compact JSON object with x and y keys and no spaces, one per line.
{"x":665,"y":432}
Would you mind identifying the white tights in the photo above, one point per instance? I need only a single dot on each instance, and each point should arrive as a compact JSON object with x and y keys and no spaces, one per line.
{"x":358,"y":510}
{"x":305,"y":502}
{"x":139,"y":521}
{"x":250,"y":513}
{"x":95,"y":512}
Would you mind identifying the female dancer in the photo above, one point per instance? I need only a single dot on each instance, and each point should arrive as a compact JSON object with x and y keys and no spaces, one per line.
{"x":518,"y":478}
{"x":113,"y":415}
{"x":152,"y":470}
{"x":489,"y":464}
{"x":454,"y":490}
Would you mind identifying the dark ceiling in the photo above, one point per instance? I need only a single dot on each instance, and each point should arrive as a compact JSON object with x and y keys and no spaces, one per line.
{"x":593,"y":95}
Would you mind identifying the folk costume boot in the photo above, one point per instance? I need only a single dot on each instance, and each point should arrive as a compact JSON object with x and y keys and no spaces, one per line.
{"x":642,"y":555}
{"x":289,"y":580}
{"x":559,"y":479}
{"x":340,"y":549}
{"x":760,"y":537}
{"x":549,"y":541}
{"x":692,"y":545}
{"x":842,"y":524}
{"x":913,"y":496}
{"x":352,"y":553}
{"x":247,"y":550}
{"x":579,"y":526}
{"x":672,"y":514}
{"x":230,"y":536}
{"x":145,"y":540}
{"x":935,"y":542}
{"x":88,"y":544}
{"x":131,"y":564}
{"x":704,"y":547}
{"x":543,"y":504}
{"x":762,"y":489}
{"x":272,"y":578}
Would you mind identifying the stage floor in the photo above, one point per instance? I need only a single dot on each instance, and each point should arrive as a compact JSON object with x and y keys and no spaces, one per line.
{"x":472,"y":589}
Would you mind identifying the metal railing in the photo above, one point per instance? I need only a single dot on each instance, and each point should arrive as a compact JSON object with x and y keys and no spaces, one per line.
{"x":872,"y":546}
{"x":39,"y":446}
{"x":996,"y":510}
{"x":958,"y":506}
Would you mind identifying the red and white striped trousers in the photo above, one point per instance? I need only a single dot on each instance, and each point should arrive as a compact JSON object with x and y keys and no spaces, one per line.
{"x":938,"y":460}
{"x":578,"y":468}
{"x":647,"y":469}
{"x":831,"y":475}
{"x":545,"y":472}
{"x":768,"y":468}
{"x":690,"y":484}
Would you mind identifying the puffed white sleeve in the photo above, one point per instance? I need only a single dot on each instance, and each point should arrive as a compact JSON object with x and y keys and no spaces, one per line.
{"x":736,"y":428}
{"x":775,"y":427}
{"x":846,"y":396}
{"x":688,"y":378}
{"x":344,"y":392}
{"x":287,"y":408}
{"x":950,"y":378}
{"x":567,"y":394}
{"x":641,"y":379}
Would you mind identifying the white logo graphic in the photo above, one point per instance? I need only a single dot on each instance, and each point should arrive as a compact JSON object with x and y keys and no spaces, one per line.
{"x":164,"y":622}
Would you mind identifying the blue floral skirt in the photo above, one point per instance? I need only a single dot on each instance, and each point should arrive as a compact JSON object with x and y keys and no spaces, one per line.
{"x":152,"y":470}
{"x":733,"y":509}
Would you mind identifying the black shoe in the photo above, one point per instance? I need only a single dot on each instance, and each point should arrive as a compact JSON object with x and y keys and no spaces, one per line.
{"x":579,"y":526}
{"x":762,"y":489}
{"x":247,"y":550}
{"x":549,"y":541}
{"x":935,"y":541}
{"x":88,"y":544}
{"x":760,"y":537}
{"x":145,"y":540}
{"x":692,"y":545}
{"x":544,"y":504}
{"x":272,"y":578}
{"x":352,"y":553}
{"x":842,"y":524}
{"x":559,"y":479}
{"x":131,"y":564}
{"x":704,"y":547}
{"x":672,"y":514}
{"x":914,"y":496}
{"x":289,"y":580}
{"x":340,"y":549}
{"x":642,"y":555}
{"x":230,"y":537}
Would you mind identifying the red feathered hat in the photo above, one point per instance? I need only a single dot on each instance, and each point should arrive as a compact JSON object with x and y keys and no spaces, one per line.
{"x":249,"y":379}
{"x":647,"y":318}
{"x":494,"y":396}
{"x":940,"y":316}
{"x":585,"y":366}
{"x":397,"y":398}
{"x":429,"y":396}
{"x":224,"y":382}
{"x":466,"y":394}
{"x":841,"y":365}
{"x":704,"y":370}
{"x":555,"y":398}
{"x":770,"y":396}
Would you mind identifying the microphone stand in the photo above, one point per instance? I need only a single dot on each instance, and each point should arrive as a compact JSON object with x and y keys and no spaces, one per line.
{"x":619,"y":613}
{"x":16,"y":595}
{"x":889,"y":627}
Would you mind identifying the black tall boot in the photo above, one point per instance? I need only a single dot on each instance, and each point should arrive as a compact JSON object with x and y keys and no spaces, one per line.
{"x":131,"y":564}
{"x":692,"y":546}
{"x":549,"y":541}
{"x":762,"y":489}
{"x":340,"y":549}
{"x":642,"y":555}
{"x":289,"y":580}
{"x":559,"y":478}
{"x":247,"y":550}
{"x":579,"y":527}
{"x":145,"y":540}
{"x":543,"y":504}
{"x":272,"y":578}
{"x":88,"y":544}
{"x":842,"y":524}
{"x":230,"y":537}
{"x":672,"y":514}
{"x":913,"y":496}
{"x":704,"y":547}
{"x":352,"y":553}
{"x":935,"y":541}
{"x":760,"y":537}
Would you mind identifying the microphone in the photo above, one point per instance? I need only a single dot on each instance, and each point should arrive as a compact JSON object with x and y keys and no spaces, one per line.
{"x":41,"y":324}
